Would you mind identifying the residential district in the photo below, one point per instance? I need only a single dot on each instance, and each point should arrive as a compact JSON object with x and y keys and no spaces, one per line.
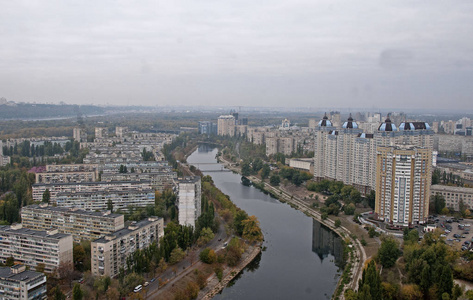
{"x":116,"y":174}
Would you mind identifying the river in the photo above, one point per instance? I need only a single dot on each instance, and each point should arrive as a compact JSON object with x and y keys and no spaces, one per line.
{"x":303,"y":258}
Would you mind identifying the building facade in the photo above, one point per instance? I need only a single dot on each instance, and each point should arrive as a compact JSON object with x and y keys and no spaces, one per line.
{"x":454,"y":195}
{"x":33,"y":247}
{"x":403,"y":184}
{"x":81,"y":224}
{"x":189,"y":200}
{"x":226,"y":125}
{"x":109,"y":253}
{"x":18,"y":283}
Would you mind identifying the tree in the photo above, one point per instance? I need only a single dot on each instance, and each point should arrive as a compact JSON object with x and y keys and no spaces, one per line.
{"x":46,"y":196}
{"x":349,"y":209}
{"x":338,"y":223}
{"x":206,"y":235}
{"x":110,"y":205}
{"x":370,"y":283}
{"x":58,"y":294}
{"x":78,"y":254}
{"x":274,"y":180}
{"x":77,"y":293}
{"x":208,"y":256}
{"x":251,"y":229}
{"x":439,"y":203}
{"x":40,"y":267}
{"x":265,"y":171}
{"x":176,"y":256}
{"x":389,"y":252}
{"x":245,"y":169}
{"x":10,"y":261}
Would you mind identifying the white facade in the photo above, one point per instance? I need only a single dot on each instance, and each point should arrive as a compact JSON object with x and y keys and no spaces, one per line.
{"x":189,"y":200}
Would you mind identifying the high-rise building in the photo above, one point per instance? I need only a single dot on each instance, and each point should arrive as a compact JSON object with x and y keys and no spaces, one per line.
{"x":403,"y":178}
{"x":226,"y":125}
{"x":79,"y":135}
{"x":17,"y":282}
{"x":101,"y":132}
{"x":189,"y":200}
{"x":349,"y":155}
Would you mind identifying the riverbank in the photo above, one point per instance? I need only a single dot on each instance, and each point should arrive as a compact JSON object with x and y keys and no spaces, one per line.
{"x":356,"y":253}
{"x":214,"y":286}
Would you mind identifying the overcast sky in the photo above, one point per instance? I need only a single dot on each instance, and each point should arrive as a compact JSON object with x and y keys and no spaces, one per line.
{"x":340,"y":54}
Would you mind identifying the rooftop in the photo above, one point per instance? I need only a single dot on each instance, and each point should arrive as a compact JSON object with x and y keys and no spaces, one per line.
{"x":6,"y":273}
{"x":127,"y":230}
{"x":31,"y":232}
{"x":105,"y":214}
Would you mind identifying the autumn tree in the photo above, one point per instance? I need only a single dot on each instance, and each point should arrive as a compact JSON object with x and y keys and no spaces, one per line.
{"x":77,"y":293}
{"x":251,"y":229}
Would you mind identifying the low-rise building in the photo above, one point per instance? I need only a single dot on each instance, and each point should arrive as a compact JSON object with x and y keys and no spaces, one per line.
{"x":18,"y":283}
{"x":453,"y":195}
{"x":33,"y":247}
{"x":304,"y":164}
{"x":109,"y":253}
{"x":81,"y":224}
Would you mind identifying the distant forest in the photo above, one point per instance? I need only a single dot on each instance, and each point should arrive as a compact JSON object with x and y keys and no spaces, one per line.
{"x":42,"y":111}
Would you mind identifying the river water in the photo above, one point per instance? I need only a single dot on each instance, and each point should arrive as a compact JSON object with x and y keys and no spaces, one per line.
{"x":303,"y":258}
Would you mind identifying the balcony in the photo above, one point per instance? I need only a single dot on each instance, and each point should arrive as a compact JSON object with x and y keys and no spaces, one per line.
{"x":101,"y":258}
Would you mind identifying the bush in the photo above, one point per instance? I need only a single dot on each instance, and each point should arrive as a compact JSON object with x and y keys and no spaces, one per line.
{"x":338,"y":223}
{"x":349,"y":209}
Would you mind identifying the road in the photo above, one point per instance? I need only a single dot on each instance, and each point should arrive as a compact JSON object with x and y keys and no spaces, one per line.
{"x":187,"y":265}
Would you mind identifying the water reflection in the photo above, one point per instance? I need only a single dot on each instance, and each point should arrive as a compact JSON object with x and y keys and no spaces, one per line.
{"x":325,"y":242}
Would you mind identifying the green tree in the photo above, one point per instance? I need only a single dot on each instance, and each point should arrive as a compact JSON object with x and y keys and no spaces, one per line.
{"x":370,"y":283}
{"x":208,"y":256}
{"x":265,"y":171}
{"x":77,"y":293}
{"x":439,"y":203}
{"x":389,"y":252}
{"x":57,"y":294}
{"x":78,"y":254}
{"x":349,"y":209}
{"x":338,"y":223}
{"x":245,"y":169}
{"x":176,"y":255}
{"x":46,"y":196}
{"x":110,"y":205}
{"x":274,"y":180}
{"x":206,"y":235}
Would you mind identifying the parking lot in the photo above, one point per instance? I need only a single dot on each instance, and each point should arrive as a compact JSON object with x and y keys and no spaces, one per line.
{"x":458,"y":233}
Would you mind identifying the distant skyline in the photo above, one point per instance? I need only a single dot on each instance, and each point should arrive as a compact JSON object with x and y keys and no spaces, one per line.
{"x":342,"y":54}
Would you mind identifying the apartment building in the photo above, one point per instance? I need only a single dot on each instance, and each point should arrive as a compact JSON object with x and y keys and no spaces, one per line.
{"x":98,"y":200}
{"x":64,"y":168}
{"x":109,"y":253}
{"x":18,"y":283}
{"x":189,"y":200}
{"x":159,"y":180}
{"x":81,"y":224}
{"x":285,"y":145}
{"x":453,"y":195}
{"x":55,"y":188}
{"x":226,"y":125}
{"x":67,"y":177}
{"x":403,"y":184}
{"x":348,"y":154}
{"x":33,"y":247}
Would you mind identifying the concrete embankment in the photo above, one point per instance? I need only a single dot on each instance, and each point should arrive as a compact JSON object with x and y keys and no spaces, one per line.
{"x":214,"y":286}
{"x":359,"y":257}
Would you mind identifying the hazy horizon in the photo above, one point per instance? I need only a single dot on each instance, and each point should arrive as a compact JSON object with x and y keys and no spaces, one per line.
{"x":337,"y":54}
